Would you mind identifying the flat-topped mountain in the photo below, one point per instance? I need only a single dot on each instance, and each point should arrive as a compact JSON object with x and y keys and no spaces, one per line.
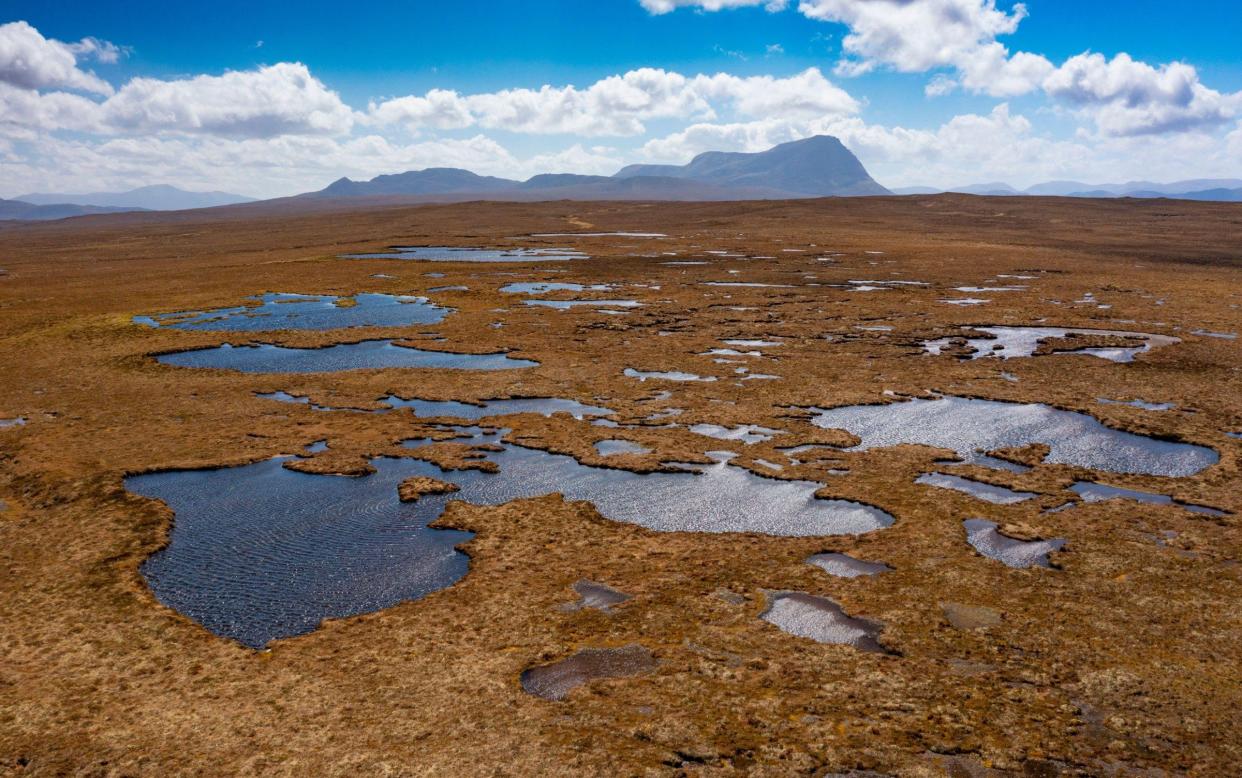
{"x":820,"y":166}
{"x":814,"y":167}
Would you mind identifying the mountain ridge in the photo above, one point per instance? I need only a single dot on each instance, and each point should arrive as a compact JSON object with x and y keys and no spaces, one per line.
{"x":155,"y":197}
{"x":819,"y":166}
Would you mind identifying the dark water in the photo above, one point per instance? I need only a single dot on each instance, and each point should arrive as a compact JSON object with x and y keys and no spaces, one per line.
{"x":261,"y":552}
{"x":369,"y":354}
{"x":278,"y":311}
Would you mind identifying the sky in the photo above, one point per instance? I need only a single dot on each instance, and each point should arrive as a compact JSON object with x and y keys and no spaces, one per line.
{"x":272,"y":99}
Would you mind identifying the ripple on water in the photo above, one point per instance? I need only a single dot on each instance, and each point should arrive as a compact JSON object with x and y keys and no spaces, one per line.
{"x":970,"y":426}
{"x":608,"y":448}
{"x":998,"y":495}
{"x":822,"y":620}
{"x":1019,"y":342}
{"x":260,"y":552}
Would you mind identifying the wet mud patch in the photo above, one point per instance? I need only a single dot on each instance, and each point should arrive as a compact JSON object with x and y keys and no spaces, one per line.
{"x":592,"y":594}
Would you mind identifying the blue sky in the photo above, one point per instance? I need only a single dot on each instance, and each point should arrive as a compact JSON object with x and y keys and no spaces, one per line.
{"x":271,"y":99}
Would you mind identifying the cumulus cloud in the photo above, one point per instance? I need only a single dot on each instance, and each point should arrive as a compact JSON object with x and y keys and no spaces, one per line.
{"x":914,"y":36}
{"x":30,"y":61}
{"x":23,"y":111}
{"x":619,"y":105}
{"x":1127,"y":97}
{"x":266,"y":167}
{"x":279,"y":99}
{"x":667,"y":6}
{"x":972,"y":148}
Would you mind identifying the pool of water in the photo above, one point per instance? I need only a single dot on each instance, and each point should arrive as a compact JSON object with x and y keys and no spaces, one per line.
{"x":1220,"y":335}
{"x":719,"y":497}
{"x":19,"y":421}
{"x":543,"y":287}
{"x":281,"y":311}
{"x":665,"y":375}
{"x":1019,"y":342}
{"x":608,"y":448}
{"x":748,"y":284}
{"x":567,"y":304}
{"x":746,"y":433}
{"x":822,"y":620}
{"x":457,"y":254}
{"x":990,"y":542}
{"x":365,"y":355}
{"x":845,"y":566}
{"x":261,"y":552}
{"x":599,"y":235}
{"x":1091,"y":491}
{"x":971,"y":427}
{"x":1143,"y":404}
{"x":545,"y":406}
{"x":998,"y":495}
{"x":752,"y":343}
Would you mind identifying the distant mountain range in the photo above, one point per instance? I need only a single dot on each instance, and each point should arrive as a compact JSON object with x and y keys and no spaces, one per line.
{"x":159,"y":197}
{"x":819,"y":166}
{"x":814,"y":167}
{"x":1213,"y":189}
{"x":12,"y":210}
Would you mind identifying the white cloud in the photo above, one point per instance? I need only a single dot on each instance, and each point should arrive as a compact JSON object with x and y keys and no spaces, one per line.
{"x":23,"y":111}
{"x":914,"y":36}
{"x":281,"y":99}
{"x":619,"y":105}
{"x":973,"y":148}
{"x":265,"y":167}
{"x":1127,"y":97}
{"x":101,"y":51}
{"x":30,"y":61}
{"x":666,"y":6}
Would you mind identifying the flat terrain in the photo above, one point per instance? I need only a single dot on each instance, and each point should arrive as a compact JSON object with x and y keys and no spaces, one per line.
{"x":1122,"y":658}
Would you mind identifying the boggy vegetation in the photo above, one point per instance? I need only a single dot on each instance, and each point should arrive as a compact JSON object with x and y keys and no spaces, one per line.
{"x":1112,"y":651}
